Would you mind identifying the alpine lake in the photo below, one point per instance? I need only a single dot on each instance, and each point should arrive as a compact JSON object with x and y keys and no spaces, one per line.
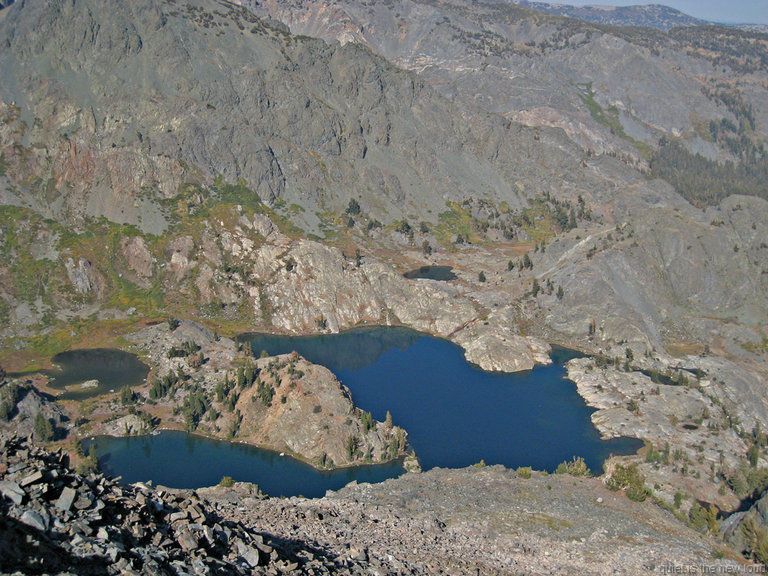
{"x":455,"y":414}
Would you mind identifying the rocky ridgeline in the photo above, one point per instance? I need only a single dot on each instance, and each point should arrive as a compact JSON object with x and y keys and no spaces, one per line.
{"x":55,"y":521}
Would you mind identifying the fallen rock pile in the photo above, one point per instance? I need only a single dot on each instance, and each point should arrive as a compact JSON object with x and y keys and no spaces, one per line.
{"x":55,"y":521}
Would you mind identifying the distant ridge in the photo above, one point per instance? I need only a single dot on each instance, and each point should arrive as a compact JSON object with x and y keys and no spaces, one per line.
{"x":652,"y":15}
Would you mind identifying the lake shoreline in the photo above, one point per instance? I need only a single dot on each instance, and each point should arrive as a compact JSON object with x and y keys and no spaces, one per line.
{"x":223,"y":354}
{"x":180,"y":452}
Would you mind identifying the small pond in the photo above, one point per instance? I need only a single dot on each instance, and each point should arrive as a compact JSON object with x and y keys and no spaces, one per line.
{"x":78,"y":371}
{"x":441,"y":273}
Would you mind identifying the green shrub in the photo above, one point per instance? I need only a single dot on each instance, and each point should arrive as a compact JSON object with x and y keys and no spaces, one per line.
{"x":126,"y":395}
{"x":576,"y":467}
{"x":524,"y":472}
{"x":630,"y":479}
{"x":226,"y":482}
{"x":43,"y":428}
{"x":366,"y":420}
{"x":89,"y":465}
{"x":756,"y":540}
{"x":704,"y":519}
{"x":653,"y":455}
{"x":5,"y":411}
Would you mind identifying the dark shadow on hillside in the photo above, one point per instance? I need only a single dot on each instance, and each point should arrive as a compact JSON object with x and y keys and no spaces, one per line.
{"x":30,"y":551}
{"x":350,"y":350}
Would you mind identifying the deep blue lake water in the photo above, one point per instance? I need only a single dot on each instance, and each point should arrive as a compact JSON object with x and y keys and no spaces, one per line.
{"x":181,"y":460}
{"x":455,"y":415}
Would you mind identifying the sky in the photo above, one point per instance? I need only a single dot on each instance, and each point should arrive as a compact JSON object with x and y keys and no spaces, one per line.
{"x":726,"y":11}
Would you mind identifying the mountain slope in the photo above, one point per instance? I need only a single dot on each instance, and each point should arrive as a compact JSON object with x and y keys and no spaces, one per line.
{"x":612,"y":89}
{"x":139,"y":139}
{"x":207,"y":93}
{"x":109,"y":110}
{"x":650,"y":15}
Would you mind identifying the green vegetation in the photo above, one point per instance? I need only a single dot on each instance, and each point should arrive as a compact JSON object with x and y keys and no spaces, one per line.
{"x":743,"y":51}
{"x":43,"y":428}
{"x":630,"y":479}
{"x":610,"y":119}
{"x":31,"y":277}
{"x":351,"y":447}
{"x":456,"y":221}
{"x":703,"y":519}
{"x":186,"y":349}
{"x":127,"y":396}
{"x":353,"y":209}
{"x":756,"y":540}
{"x":702,"y":181}
{"x":194,"y":408}
{"x":746,"y":481}
{"x":89,"y":465}
{"x":524,"y":472}
{"x":226,"y":482}
{"x":653,"y":455}
{"x":166,"y":385}
{"x":396,"y":444}
{"x":576,"y":467}
{"x":366,"y":420}
{"x":9,"y":396}
{"x":265,"y":392}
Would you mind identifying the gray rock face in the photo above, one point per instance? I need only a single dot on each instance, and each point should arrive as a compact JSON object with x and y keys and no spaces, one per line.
{"x":26,"y":404}
{"x":348,"y":123}
{"x":34,"y":519}
{"x":305,"y":286}
{"x":66,"y":499}
{"x":661,"y":270}
{"x":504,"y":57}
{"x":695,"y":422}
{"x":491,"y":519}
{"x":494,"y":344}
{"x":139,"y":259}
{"x":12,"y":491}
{"x":79,"y":275}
